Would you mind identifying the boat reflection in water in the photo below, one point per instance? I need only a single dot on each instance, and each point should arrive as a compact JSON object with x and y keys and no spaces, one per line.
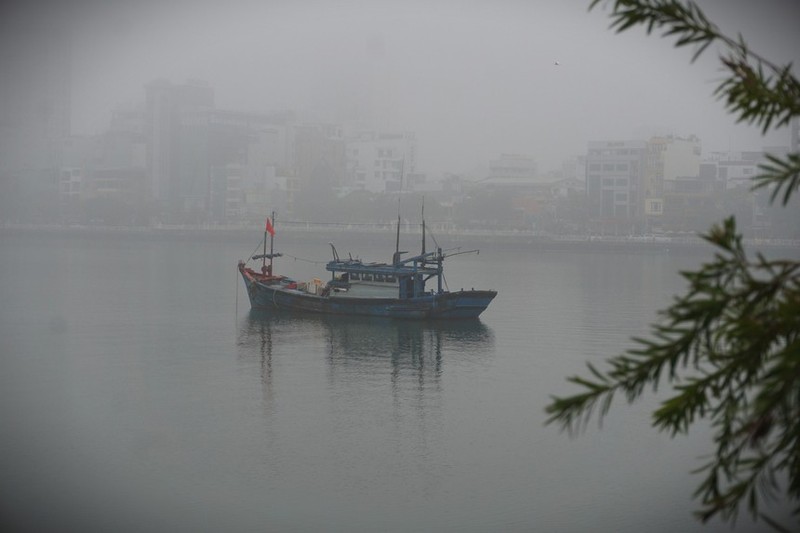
{"x":367,"y":346}
{"x":360,"y":412}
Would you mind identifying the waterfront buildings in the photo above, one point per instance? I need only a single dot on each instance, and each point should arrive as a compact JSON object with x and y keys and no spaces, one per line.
{"x":513,"y":169}
{"x":205,"y":164}
{"x":176,"y":158}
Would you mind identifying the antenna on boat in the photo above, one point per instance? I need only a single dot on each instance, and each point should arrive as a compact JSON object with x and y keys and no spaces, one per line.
{"x":423,"y":227}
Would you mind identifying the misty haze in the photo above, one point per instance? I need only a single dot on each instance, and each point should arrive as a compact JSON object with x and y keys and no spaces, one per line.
{"x":570,"y":169}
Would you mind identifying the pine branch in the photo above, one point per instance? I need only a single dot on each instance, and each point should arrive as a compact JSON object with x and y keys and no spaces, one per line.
{"x":781,"y":174}
{"x":731,"y":349}
{"x":759,"y":94}
{"x":730,"y":346}
{"x":755,"y":90}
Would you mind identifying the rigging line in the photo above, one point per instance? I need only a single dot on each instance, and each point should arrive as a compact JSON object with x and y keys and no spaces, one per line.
{"x":476,"y":251}
{"x":434,"y":239}
{"x":249,"y":257}
{"x":348,"y":224}
{"x":341,"y":224}
{"x":306,"y":260}
{"x":444,"y":250}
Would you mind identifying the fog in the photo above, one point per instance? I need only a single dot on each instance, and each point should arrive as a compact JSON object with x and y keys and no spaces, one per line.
{"x":137,"y":392}
{"x":471,"y":79}
{"x":503,"y":97}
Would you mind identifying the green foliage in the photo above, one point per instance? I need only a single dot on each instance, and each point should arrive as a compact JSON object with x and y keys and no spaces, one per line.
{"x":781,"y":174}
{"x":686,"y":22}
{"x":730,"y":347}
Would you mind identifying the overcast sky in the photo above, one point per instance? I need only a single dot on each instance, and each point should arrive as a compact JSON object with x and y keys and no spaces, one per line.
{"x":472,"y":79}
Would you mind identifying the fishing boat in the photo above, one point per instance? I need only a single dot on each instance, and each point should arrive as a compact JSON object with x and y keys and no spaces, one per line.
{"x":399,"y":289}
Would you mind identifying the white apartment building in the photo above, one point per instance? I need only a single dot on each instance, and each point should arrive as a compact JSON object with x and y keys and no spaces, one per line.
{"x":670,"y":160}
{"x":381,"y":162}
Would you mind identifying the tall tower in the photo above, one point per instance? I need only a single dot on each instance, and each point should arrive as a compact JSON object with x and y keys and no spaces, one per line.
{"x":167,"y":108}
{"x":35,"y":110}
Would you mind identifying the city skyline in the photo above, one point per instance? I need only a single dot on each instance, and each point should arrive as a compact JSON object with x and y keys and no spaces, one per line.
{"x":471,"y":82}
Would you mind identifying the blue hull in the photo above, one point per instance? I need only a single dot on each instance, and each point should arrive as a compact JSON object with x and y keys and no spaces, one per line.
{"x":446,"y":305}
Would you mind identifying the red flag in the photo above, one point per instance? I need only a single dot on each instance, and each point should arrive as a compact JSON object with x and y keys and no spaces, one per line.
{"x":270,"y":229}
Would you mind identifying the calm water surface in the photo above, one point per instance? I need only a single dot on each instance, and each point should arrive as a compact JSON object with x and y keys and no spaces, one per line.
{"x":138,"y":392}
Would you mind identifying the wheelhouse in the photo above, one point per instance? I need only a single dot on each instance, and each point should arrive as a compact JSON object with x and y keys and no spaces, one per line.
{"x":406,"y":278}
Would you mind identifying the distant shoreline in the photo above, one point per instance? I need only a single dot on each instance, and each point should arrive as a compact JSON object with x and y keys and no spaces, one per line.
{"x":462,"y":237}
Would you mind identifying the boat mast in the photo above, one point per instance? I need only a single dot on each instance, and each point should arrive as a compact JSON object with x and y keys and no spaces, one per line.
{"x":271,"y":242}
{"x":397,"y":239}
{"x":264,"y":253}
{"x":439,"y":269}
{"x":269,"y":227}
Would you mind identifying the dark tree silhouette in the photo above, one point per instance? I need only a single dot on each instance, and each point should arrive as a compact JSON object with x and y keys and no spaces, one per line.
{"x":729,"y":347}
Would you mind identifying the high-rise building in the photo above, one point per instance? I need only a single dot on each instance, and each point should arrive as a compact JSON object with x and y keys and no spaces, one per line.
{"x":171,"y":110}
{"x":35,"y":111}
{"x":319,"y":166}
{"x":614,"y":184}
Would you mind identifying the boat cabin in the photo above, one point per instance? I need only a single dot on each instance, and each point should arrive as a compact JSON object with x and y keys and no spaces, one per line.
{"x":404,"y":279}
